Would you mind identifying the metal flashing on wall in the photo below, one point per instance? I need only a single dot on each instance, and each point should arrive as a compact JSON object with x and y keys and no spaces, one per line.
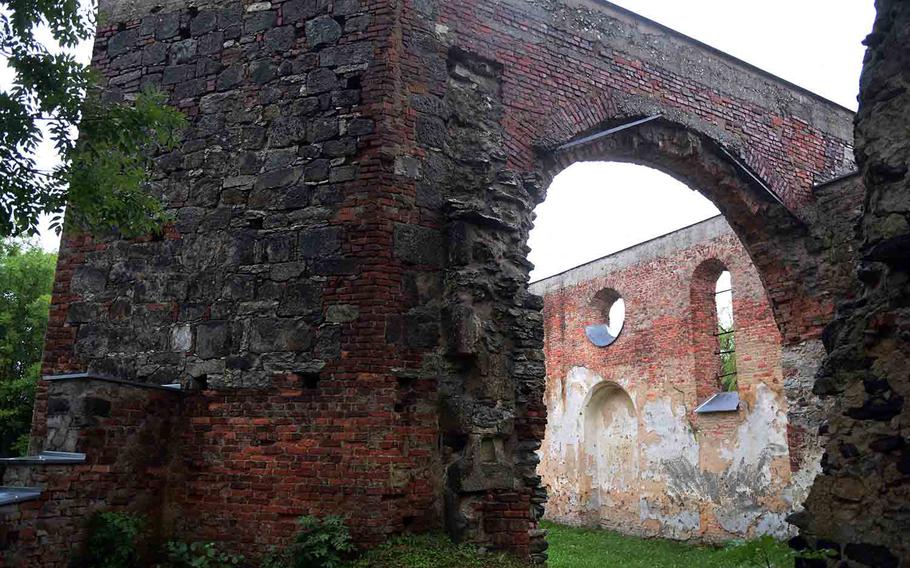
{"x":720,"y":402}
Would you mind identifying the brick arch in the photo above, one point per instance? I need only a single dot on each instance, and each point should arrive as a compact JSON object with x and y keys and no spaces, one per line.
{"x":610,"y":107}
{"x":777,"y":241}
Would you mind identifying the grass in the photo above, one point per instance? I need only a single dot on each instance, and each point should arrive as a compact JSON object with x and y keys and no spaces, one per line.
{"x":591,"y":548}
{"x":580,"y":548}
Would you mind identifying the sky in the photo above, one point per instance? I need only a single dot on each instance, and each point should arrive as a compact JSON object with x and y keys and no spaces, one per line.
{"x":595,"y":209}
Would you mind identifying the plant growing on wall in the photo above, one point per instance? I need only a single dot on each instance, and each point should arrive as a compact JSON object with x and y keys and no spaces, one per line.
{"x":115,"y":540}
{"x":320,"y":543}
{"x":199,"y":555}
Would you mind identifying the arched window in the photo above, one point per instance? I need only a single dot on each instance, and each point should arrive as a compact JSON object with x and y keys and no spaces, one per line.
{"x":713,"y":332}
{"x":726,"y":334}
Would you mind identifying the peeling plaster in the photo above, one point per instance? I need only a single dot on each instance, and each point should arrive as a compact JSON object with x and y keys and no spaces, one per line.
{"x":683,"y":484}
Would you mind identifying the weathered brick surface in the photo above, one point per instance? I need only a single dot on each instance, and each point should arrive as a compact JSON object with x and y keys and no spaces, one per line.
{"x":126,"y":433}
{"x":352,"y":202}
{"x":684,"y":475}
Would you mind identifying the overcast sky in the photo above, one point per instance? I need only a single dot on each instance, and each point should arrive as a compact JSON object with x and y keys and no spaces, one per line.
{"x":596,"y":209}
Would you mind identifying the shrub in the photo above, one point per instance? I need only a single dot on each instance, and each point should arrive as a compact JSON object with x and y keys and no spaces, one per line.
{"x":321,"y":543}
{"x":114,"y":540}
{"x":199,"y":555}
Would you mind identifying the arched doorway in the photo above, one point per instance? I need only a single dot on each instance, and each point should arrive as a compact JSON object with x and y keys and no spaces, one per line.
{"x":609,"y":455}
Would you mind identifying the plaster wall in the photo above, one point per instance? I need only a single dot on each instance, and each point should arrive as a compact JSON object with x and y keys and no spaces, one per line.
{"x":624,"y":448}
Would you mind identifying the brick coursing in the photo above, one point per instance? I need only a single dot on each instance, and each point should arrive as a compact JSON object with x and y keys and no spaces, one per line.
{"x":352,"y":201}
{"x":665,"y":358}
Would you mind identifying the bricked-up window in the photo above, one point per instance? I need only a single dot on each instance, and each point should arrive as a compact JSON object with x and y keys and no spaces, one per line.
{"x":726,"y":334}
{"x":713,"y":333}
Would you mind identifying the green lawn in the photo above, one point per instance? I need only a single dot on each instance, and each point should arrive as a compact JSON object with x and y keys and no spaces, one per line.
{"x":590,"y":548}
{"x":581,"y":548}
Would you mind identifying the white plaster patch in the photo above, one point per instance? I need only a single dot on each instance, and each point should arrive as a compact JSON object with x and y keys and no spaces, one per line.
{"x":760,"y":438}
{"x":681,"y":525}
{"x":676,"y":439}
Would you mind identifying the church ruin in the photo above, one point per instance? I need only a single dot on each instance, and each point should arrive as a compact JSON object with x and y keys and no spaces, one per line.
{"x":676,"y":424}
{"x":343,"y":298}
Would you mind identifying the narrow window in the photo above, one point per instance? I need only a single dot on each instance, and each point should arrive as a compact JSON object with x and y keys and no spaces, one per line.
{"x":726,"y":334}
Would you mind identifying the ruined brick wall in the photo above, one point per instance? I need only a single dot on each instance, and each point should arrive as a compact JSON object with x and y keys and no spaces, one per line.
{"x":272,"y":294}
{"x":859,"y":505}
{"x":690,"y":476}
{"x":126,"y":432}
{"x":352,"y":203}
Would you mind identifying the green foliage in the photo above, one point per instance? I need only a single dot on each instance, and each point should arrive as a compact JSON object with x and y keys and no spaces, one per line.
{"x":114,"y":540}
{"x":103,"y":175}
{"x":436,"y":551}
{"x":26,"y":279}
{"x":199,"y":555}
{"x":320,"y":543}
{"x":727,"y":346}
{"x":590,"y":548}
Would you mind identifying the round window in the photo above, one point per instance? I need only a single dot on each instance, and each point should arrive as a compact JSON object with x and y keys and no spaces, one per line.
{"x":610,"y":310}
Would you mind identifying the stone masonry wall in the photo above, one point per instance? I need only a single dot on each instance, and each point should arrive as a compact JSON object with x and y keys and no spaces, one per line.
{"x":709,"y":477}
{"x":860,"y":504}
{"x":352,"y":201}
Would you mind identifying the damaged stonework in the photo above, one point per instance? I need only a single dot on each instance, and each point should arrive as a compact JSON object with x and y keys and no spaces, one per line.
{"x":624,"y":448}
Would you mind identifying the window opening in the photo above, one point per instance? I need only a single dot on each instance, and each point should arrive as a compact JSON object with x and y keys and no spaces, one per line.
{"x":610,"y":308}
{"x":726,"y":332}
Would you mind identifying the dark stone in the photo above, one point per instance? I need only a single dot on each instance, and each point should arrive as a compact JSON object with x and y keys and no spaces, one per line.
{"x":287,"y":130}
{"x":183,"y":51}
{"x":279,"y":334}
{"x":316,"y":171}
{"x":88,"y":280}
{"x":321,"y":129}
{"x":346,"y":7}
{"x":278,"y":178}
{"x":259,"y":21}
{"x":360,"y":127}
{"x":98,"y":407}
{"x":178,"y":74}
{"x":340,"y":148}
{"x":320,"y":81}
{"x":79,"y":312}
{"x":280,"y":39}
{"x":431,"y":131}
{"x":323,"y":30}
{"x":296,"y":10}
{"x":419,"y":245}
{"x":213,"y":339}
{"x":154,"y":53}
{"x":871,"y":555}
{"x":121,"y":42}
{"x":317,"y":243}
{"x":350,"y":54}
{"x":262,"y":72}
{"x":203,"y":23}
{"x":230,"y":78}
{"x":57,"y":406}
{"x":300,"y":297}
{"x":168,"y":26}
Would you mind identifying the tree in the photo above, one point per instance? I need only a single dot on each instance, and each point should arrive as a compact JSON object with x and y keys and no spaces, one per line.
{"x":26,"y":278}
{"x":726,"y":340}
{"x":102,"y":176}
